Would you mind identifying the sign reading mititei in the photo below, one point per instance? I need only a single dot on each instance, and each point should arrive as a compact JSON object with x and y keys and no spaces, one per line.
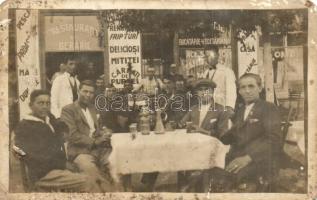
{"x":124,"y":48}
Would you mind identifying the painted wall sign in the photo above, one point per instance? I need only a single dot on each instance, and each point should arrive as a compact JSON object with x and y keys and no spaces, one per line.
{"x":27,"y":57}
{"x":194,"y":62}
{"x":248,"y":53}
{"x":191,"y":41}
{"x":72,"y":33}
{"x":124,"y":48}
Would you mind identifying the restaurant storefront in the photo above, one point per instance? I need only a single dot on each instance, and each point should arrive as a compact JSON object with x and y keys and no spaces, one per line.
{"x":41,"y":38}
{"x":44,"y":37}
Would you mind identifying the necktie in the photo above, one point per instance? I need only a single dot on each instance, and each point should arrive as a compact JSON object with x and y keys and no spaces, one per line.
{"x":74,"y":88}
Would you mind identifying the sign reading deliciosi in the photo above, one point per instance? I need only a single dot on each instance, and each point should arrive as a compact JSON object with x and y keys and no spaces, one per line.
{"x":124,"y":48}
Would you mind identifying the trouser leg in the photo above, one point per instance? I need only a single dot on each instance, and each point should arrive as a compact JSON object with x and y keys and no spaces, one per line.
{"x":182,"y":178}
{"x":149,"y":180}
{"x":87,"y":164}
{"x":65,"y":180}
{"x":223,"y":181}
{"x":126,"y":181}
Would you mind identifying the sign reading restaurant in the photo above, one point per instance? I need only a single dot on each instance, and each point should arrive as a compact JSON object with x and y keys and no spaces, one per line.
{"x":72,"y":33}
{"x":124,"y":48}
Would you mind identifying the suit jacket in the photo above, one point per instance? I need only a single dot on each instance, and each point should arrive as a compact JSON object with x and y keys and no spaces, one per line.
{"x":79,"y":141}
{"x":259,"y":136}
{"x":216,"y":120}
{"x":61,"y":93}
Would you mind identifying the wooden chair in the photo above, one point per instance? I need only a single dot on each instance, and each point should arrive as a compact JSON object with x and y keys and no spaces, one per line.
{"x":20,"y":154}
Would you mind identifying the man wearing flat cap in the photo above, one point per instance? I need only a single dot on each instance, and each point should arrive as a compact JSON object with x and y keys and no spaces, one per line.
{"x":208,"y":118}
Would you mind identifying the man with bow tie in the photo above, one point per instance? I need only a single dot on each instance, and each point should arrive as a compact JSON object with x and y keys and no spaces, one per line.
{"x":226,"y":92}
{"x":255,"y":136}
{"x":64,"y":89}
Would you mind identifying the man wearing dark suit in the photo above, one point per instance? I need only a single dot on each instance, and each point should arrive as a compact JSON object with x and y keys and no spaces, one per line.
{"x":255,"y":137}
{"x":88,"y":144}
{"x":208,"y":118}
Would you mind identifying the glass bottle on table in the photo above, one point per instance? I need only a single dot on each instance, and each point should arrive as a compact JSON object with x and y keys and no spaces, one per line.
{"x":144,"y":122}
{"x":159,"y":127}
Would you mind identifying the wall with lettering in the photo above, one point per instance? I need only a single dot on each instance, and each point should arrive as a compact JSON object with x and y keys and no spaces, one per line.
{"x":72,"y":33}
{"x":194,"y":61}
{"x":248,"y":53}
{"x":124,"y":47}
{"x":27,"y":56}
{"x":189,"y":40}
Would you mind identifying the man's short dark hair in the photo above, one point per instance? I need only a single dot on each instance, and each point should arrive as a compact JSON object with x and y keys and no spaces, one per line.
{"x":212,"y":48}
{"x":87,"y":83}
{"x":190,"y":76}
{"x":256,"y":77}
{"x":67,"y":57}
{"x":36,"y":93}
{"x":100,"y":78}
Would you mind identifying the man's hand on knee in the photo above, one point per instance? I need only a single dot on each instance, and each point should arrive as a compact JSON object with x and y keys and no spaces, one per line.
{"x":239,"y":163}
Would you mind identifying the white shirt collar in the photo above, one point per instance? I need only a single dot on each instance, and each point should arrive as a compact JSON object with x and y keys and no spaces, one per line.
{"x":204,"y":108}
{"x":34,"y":118}
{"x":247,"y":110}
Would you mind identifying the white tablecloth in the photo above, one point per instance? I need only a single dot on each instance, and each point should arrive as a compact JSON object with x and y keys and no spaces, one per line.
{"x":169,"y":152}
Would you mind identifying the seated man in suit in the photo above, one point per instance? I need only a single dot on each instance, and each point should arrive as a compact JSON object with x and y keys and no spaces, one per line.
{"x":255,"y":137}
{"x":40,"y":136}
{"x":88,"y":144}
{"x":208,"y":118}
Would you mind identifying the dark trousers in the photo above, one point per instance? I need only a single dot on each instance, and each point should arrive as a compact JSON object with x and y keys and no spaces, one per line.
{"x":149,"y":179}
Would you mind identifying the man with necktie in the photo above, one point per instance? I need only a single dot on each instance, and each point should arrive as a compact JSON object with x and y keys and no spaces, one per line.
{"x":64,"y":88}
{"x":224,"y":77}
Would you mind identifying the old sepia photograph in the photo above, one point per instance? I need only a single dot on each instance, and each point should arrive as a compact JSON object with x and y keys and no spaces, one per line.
{"x":156,"y":100}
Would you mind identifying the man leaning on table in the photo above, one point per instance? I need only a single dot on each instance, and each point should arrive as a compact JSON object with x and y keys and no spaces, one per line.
{"x":207,"y":117}
{"x":88,"y":144}
{"x":255,"y":140}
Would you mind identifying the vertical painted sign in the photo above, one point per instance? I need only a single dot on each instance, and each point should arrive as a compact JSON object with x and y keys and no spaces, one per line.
{"x":27,"y":56}
{"x":248,"y":53}
{"x":124,"y":48}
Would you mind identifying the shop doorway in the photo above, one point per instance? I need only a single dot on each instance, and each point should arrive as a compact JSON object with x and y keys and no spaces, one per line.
{"x":54,"y":59}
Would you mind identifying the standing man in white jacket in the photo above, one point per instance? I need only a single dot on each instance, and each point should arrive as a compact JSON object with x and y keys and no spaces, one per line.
{"x":64,"y":88}
{"x":224,"y":77}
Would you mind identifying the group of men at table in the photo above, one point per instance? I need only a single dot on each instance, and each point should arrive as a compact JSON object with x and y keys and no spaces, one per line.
{"x":252,"y":130}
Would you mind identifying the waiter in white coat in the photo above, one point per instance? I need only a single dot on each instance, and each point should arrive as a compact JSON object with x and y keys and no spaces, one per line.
{"x":224,"y":77}
{"x":64,"y":89}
